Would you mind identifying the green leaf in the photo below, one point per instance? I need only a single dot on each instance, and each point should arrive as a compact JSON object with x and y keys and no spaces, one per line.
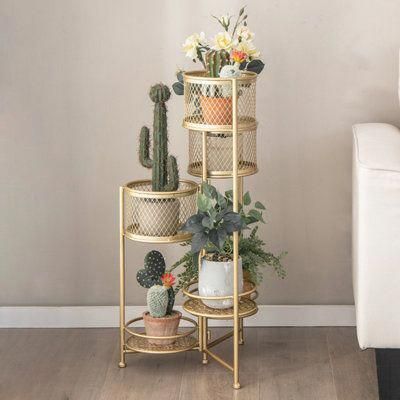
{"x":213,"y":237}
{"x":256,"y":215}
{"x":222,"y":235}
{"x":179,"y":76}
{"x":259,"y":205}
{"x":246,"y":199}
{"x":209,"y":190}
{"x":199,"y":240}
{"x":221,"y":200}
{"x":229,"y":194}
{"x":178,"y":88}
{"x":207,"y":222}
{"x":193,"y":224}
{"x":204,"y":203}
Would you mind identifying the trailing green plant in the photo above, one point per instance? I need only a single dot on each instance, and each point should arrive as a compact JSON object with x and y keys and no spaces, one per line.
{"x":251,"y":246}
{"x":153,"y":274}
{"x":165,"y":173}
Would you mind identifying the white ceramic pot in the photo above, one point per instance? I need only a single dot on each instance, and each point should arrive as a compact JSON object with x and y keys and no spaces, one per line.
{"x":216,"y":279}
{"x":158,"y":217}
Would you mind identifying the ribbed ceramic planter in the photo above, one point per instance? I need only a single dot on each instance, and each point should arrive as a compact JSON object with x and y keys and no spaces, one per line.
{"x":216,"y":279}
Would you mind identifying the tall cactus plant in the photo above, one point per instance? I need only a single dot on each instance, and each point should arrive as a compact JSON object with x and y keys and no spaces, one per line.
{"x":165,"y":174}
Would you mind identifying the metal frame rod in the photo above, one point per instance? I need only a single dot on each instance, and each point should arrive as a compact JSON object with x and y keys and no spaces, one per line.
{"x":236,"y":328}
{"x":122,"y":363}
{"x":220,"y":360}
{"x":220,"y":339}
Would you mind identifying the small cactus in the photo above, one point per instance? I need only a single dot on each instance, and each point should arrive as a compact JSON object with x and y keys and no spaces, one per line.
{"x":165,"y":174}
{"x":215,"y":60}
{"x":157,"y":301}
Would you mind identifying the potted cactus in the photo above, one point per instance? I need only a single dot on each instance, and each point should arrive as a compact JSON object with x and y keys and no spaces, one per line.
{"x":161,"y":319}
{"x":159,"y":217}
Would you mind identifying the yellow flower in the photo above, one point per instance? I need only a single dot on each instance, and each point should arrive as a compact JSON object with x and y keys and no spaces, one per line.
{"x":191,"y":44}
{"x":223,"y":41}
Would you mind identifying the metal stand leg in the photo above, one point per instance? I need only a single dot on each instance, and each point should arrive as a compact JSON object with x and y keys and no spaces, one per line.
{"x":122,"y":363}
{"x":205,"y":339}
{"x":241,"y":332}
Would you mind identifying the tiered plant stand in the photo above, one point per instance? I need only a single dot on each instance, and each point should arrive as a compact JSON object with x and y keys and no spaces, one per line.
{"x":220,"y":117}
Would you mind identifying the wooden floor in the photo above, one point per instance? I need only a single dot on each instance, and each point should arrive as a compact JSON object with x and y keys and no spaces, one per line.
{"x":276,"y":364}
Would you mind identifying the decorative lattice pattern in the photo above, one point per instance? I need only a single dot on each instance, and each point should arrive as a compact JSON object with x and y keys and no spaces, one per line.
{"x":142,"y":345}
{"x":219,"y":153}
{"x":158,"y":216}
{"x":247,"y":307}
{"x":209,"y":102}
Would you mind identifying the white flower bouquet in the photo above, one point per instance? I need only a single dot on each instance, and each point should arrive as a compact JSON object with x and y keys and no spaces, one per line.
{"x":227,"y":53}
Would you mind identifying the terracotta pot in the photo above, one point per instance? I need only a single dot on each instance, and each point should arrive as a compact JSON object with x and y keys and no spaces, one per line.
{"x":165,"y":326}
{"x":158,"y":217}
{"x":216,"y":110}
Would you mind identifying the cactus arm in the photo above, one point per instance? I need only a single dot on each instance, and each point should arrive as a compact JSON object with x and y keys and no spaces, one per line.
{"x":211,"y":65}
{"x":173,"y":175}
{"x":144,"y":148}
{"x":171,"y":300}
{"x":217,"y":63}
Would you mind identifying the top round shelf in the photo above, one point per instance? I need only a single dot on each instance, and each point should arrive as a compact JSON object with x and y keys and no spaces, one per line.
{"x":208,"y":102}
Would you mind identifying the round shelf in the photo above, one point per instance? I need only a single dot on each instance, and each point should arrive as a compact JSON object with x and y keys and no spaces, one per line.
{"x":219,"y":150}
{"x":138,"y":341}
{"x":244,"y":124}
{"x":196,"y":307}
{"x":156,"y":217}
{"x":142,"y":345}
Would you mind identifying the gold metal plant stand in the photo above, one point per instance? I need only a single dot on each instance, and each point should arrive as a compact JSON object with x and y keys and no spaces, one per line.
{"x":220,"y":111}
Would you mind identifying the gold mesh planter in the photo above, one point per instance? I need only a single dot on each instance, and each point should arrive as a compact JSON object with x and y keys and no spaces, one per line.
{"x":208,"y":102}
{"x":156,"y":217}
{"x":218,"y":152}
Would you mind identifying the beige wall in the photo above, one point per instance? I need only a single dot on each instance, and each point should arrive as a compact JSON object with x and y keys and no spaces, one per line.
{"x":74,"y":77}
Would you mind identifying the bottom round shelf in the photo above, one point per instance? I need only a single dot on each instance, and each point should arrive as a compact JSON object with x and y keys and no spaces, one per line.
{"x":196,"y":307}
{"x":142,"y":345}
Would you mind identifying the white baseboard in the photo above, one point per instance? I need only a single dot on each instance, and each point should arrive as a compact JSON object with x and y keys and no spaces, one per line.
{"x":107,"y":316}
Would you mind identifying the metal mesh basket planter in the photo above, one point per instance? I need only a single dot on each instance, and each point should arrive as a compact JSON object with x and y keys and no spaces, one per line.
{"x":219,"y":148}
{"x":158,"y":216}
{"x":208,"y":102}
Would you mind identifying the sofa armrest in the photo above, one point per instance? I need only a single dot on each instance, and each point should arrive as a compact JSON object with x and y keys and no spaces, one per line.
{"x":376,"y":234}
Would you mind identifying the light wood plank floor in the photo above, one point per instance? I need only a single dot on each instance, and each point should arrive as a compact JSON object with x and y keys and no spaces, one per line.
{"x":276,"y":364}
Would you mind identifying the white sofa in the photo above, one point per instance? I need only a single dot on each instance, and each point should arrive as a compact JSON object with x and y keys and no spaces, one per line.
{"x":376,"y":248}
{"x":376,"y":234}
